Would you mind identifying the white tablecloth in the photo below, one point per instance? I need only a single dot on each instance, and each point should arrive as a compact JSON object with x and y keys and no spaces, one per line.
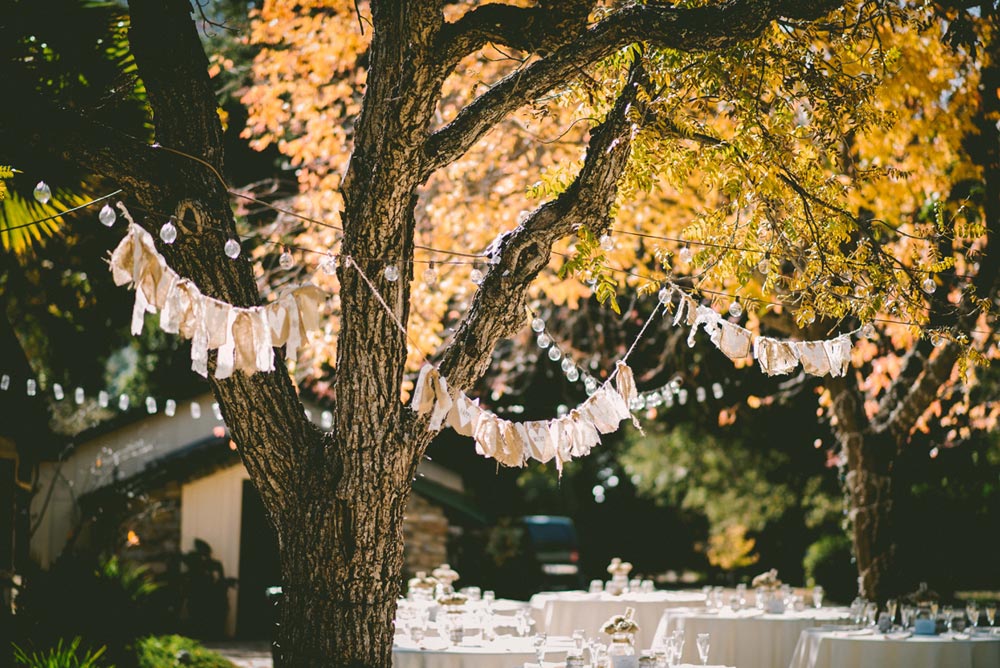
{"x":502,"y":653}
{"x":749,"y":638}
{"x":560,"y":613}
{"x":831,"y":649}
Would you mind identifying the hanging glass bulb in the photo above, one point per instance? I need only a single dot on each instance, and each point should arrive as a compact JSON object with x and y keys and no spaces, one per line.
{"x":326,"y":420}
{"x":807,"y":315}
{"x":607,"y":243}
{"x":861,"y":291}
{"x":675,"y":385}
{"x":232,"y":249}
{"x":391,"y":273}
{"x":168,"y":233}
{"x":653,"y":399}
{"x":218,"y":411}
{"x":538,"y":325}
{"x":700,"y":395}
{"x":868,"y":330}
{"x":150,"y":405}
{"x":42,"y":192}
{"x":328,"y":265}
{"x":555,"y":354}
{"x":78,"y":396}
{"x":682,"y":396}
{"x":567,"y":364}
{"x":685,"y":254}
{"x":285,"y":260}
{"x":31,"y":387}
{"x":590,"y":385}
{"x":476,"y":275}
{"x":663,"y":295}
{"x":103,"y":399}
{"x":638,"y":403}
{"x":544,"y":341}
{"x":668,"y":397}
{"x":107,"y":216}
{"x":170,"y":407}
{"x":573,"y":375}
{"x":937,"y":340}
{"x":4,"y":382}
{"x":764,"y":265}
{"x":195,"y":410}
{"x":928,"y":285}
{"x":430,"y":275}
{"x":57,"y":392}
{"x":717,"y":390}
{"x":736,"y":309}
{"x":123,"y":402}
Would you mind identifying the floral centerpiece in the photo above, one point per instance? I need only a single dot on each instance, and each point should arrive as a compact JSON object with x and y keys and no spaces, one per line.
{"x":445,"y":576}
{"x":619,"y":571}
{"x":622,"y":629}
{"x":452,"y":600}
{"x":421,"y":587}
{"x":767,"y":585}
{"x":621,"y":623}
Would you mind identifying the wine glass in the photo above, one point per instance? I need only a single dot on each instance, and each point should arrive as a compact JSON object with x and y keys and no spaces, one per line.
{"x":972,"y":612}
{"x":702,"y":641}
{"x":891,"y":606}
{"x":539,"y":644}
{"x":817,"y":597}
{"x":579,"y":637}
{"x":949,"y":614}
{"x":417,"y":633}
{"x":991,"y":613}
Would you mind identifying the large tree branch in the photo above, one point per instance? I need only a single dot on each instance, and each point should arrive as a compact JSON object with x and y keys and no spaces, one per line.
{"x":689,"y":29}
{"x":498,"y":309}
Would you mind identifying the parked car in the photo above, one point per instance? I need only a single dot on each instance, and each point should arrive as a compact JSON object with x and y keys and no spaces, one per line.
{"x":552,"y":552}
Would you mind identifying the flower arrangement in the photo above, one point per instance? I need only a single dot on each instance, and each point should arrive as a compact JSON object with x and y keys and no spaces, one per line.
{"x":767,"y":580}
{"x":452,"y":600}
{"x":445,"y":574}
{"x":619,"y":567}
{"x":422,"y":581}
{"x":621,"y":623}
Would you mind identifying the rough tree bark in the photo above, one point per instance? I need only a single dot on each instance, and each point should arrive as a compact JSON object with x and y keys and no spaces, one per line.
{"x":873,"y":445}
{"x":336,"y":499}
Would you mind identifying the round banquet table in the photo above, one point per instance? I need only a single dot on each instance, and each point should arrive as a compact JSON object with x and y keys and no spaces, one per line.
{"x":867,"y":649}
{"x":505,"y":652}
{"x":748,"y":638}
{"x":560,"y":613}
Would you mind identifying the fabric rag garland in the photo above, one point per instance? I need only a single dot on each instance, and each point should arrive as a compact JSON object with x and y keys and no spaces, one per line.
{"x":245,"y":338}
{"x":514,"y":443}
{"x":775,"y":356}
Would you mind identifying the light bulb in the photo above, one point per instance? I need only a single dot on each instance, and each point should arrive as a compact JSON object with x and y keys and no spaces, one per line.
{"x":573,"y":375}
{"x":555,"y":354}
{"x":391,"y":273}
{"x":764,"y":265}
{"x":31,"y":387}
{"x":653,"y":399}
{"x":286,"y":261}
{"x":232,"y":249}
{"x":607,"y":243}
{"x":682,"y":396}
{"x":103,"y":399}
{"x":4,"y":382}
{"x":57,"y":392}
{"x":663,"y":295}
{"x":928,"y":285}
{"x":544,"y":341}
{"x":638,"y":403}
{"x":685,"y":254}
{"x":150,"y":405}
{"x":699,"y":395}
{"x":430,"y":275}
{"x":42,"y":192}
{"x":717,"y":390}
{"x":195,"y":410}
{"x":78,"y":396}
{"x":123,"y":402}
{"x":170,"y":407}
{"x":328,"y":265}
{"x":736,"y":309}
{"x":107,"y":216}
{"x":168,"y":233}
{"x":476,"y":276}
{"x":675,"y":385}
{"x":216,"y":410}
{"x":937,"y":340}
{"x":861,"y":291}
{"x":807,"y":315}
{"x":868,"y":330}
{"x":567,"y":364}
{"x":538,"y":325}
{"x":668,"y":397}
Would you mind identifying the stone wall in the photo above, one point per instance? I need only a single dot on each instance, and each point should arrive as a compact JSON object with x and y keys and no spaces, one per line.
{"x":425,"y":536}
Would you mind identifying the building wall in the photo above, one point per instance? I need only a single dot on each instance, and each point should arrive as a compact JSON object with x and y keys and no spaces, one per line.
{"x":425,"y":536}
{"x":212,"y":510}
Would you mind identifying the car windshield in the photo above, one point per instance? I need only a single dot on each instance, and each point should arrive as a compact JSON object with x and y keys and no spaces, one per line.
{"x":551,"y":535}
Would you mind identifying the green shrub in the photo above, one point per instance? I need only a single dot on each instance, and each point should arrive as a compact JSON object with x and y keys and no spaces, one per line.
{"x":60,"y":656}
{"x":828,"y":563}
{"x":166,"y":651}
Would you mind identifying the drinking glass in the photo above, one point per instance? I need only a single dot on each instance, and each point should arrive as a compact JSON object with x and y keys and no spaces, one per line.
{"x":817,"y":597}
{"x":678,"y":637}
{"x":949,"y":614}
{"x":907,"y":614}
{"x":417,"y":632}
{"x":635,"y":585}
{"x":871,"y":613}
{"x":703,"y":640}
{"x":596,"y":586}
{"x":972,"y":612}
{"x":991,"y":613}
{"x":540,"y":647}
{"x":891,"y":606}
{"x":579,"y":636}
{"x":707,"y":591}
{"x":489,"y":596}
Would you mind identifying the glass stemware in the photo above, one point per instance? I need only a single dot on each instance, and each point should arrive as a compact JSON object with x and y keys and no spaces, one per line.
{"x":972,"y":612}
{"x":907,"y":614}
{"x":540,"y":647}
{"x":991,"y":613}
{"x":817,"y":597}
{"x":949,"y":615}
{"x":702,"y":641}
{"x":891,"y":606}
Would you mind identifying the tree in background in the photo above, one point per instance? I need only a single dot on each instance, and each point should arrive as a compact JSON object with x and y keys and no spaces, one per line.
{"x":742,"y":115}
